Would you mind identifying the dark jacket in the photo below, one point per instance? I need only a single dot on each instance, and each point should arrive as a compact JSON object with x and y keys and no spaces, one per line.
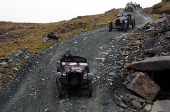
{"x":66,"y":59}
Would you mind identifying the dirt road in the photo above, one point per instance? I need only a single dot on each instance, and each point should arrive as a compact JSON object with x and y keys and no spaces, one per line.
{"x":34,"y":89}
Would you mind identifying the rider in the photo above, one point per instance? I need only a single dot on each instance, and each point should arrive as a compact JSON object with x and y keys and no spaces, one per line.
{"x":67,"y":57}
{"x":121,"y":12}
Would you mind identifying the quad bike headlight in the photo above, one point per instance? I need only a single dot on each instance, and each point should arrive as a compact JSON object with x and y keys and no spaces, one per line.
{"x":64,"y":73}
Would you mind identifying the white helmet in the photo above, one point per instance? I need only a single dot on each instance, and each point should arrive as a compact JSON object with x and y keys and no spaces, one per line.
{"x":121,"y":12}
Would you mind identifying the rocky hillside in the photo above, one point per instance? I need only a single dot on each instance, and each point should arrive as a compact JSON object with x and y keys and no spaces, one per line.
{"x":146,"y":54}
{"x":160,"y":9}
{"x":16,"y":35}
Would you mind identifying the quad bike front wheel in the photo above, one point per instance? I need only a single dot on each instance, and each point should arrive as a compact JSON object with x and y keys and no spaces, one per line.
{"x":59,"y":88}
{"x":133,"y":24}
{"x":110,"y":27}
{"x":90,"y":89}
{"x":126,"y":27}
{"x":58,"y":67}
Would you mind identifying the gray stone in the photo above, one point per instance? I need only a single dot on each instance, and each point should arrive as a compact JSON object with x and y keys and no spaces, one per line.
{"x":144,"y":110}
{"x":1,"y":74}
{"x":148,"y":107}
{"x":144,"y":86}
{"x":127,"y":100}
{"x":129,"y":78}
{"x":137,"y":105}
{"x":16,"y":69}
{"x":161,"y":106}
{"x":154,"y":51}
{"x":47,"y":110}
{"x":155,"y":63}
{"x":123,"y":105}
{"x":160,"y":20}
{"x":44,"y":39}
{"x":126,"y":53}
{"x":24,"y":49}
{"x":140,"y":100}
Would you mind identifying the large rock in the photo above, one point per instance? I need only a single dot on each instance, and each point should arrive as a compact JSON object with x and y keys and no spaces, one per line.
{"x":160,"y":20}
{"x":155,"y":63}
{"x":161,"y":106}
{"x":52,"y":35}
{"x":154,"y":51}
{"x":44,"y":39}
{"x":144,"y":86}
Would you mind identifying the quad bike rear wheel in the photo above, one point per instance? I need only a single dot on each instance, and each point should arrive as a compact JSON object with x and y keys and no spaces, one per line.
{"x":59,"y":88}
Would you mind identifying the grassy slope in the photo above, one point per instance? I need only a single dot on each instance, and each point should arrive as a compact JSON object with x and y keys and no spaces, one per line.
{"x":28,"y":34}
{"x":159,"y":9}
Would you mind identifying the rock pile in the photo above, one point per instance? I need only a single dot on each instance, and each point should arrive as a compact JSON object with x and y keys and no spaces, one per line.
{"x":11,"y":63}
{"x":146,"y":56}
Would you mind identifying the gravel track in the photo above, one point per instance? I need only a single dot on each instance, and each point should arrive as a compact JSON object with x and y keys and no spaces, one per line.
{"x":34,"y":89}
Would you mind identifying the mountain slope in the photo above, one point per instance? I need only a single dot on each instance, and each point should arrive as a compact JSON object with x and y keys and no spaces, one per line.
{"x":160,"y":9}
{"x":16,"y":35}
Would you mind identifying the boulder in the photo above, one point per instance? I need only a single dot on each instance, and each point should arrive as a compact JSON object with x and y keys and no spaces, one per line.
{"x":144,"y":86}
{"x":160,"y":20}
{"x":52,"y":35}
{"x":151,"y":64}
{"x":154,"y":51}
{"x":161,"y":106}
{"x":44,"y":39}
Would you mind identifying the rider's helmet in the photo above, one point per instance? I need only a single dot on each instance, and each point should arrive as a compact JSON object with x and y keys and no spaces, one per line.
{"x":67,"y":51}
{"x":121,"y":12}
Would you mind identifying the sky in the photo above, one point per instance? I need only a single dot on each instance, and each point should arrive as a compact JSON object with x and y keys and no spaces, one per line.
{"x":47,"y":11}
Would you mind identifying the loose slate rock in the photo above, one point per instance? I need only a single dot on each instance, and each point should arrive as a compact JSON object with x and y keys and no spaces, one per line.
{"x":161,"y":106}
{"x":137,"y":105}
{"x":151,"y":64}
{"x":45,"y":39}
{"x":144,"y":86}
{"x":148,"y":107}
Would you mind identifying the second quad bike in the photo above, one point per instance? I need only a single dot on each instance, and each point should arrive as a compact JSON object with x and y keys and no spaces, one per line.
{"x":122,"y":22}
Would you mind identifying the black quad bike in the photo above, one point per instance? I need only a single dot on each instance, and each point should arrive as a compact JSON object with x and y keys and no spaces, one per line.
{"x":122,"y":22}
{"x":74,"y":75}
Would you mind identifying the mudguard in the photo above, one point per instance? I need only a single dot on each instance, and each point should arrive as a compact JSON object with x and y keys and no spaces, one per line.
{"x":59,"y":75}
{"x":110,"y":22}
{"x":90,"y":76}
